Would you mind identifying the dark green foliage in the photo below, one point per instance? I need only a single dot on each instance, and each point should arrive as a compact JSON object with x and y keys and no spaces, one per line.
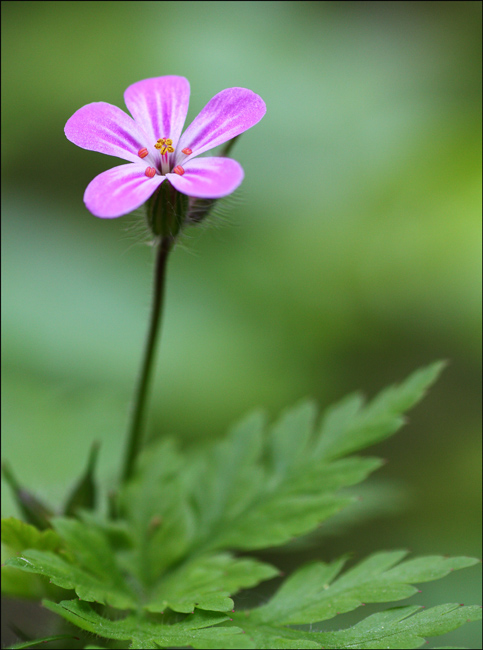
{"x":166,"y":570}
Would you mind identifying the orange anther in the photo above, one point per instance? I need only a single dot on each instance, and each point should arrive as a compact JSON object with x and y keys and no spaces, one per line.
{"x":178,"y":170}
{"x":187,"y":151}
{"x":142,"y":153}
{"x":150,"y":172}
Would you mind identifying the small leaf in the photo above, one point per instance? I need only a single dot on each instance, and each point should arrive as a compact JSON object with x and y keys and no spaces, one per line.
{"x":89,"y":566}
{"x":207,"y":582}
{"x":34,"y":511}
{"x":194,"y":628}
{"x":347,"y":427}
{"x":18,"y":536}
{"x":84,"y":493}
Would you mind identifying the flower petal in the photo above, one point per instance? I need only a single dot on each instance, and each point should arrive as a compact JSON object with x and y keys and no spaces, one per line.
{"x":120,"y":190}
{"x":106,"y":128}
{"x":208,"y":178}
{"x":229,"y":113}
{"x":160,"y":106}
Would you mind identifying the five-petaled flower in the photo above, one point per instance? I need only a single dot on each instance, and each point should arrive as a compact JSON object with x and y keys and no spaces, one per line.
{"x":152,"y":143}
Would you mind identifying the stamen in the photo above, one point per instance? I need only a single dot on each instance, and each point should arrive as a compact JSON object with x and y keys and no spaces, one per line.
{"x":178,"y":170}
{"x":187,"y":151}
{"x":150,"y":172}
{"x":142,"y":153}
{"x":164,"y":145}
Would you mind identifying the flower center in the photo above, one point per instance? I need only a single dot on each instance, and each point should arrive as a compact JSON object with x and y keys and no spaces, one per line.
{"x":165,"y":147}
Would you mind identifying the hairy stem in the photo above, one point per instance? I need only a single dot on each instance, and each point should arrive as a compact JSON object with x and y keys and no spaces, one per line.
{"x":142,"y":387}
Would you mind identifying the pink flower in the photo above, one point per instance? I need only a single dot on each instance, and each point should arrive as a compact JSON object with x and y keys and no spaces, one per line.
{"x":152,"y":143}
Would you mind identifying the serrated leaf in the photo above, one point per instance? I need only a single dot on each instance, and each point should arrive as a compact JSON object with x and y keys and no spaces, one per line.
{"x":92,"y":570}
{"x":192,"y":630}
{"x":254,"y":491}
{"x":18,"y":536}
{"x":161,"y":526}
{"x":314,"y":593}
{"x":68,"y":576}
{"x":288,"y":443}
{"x":273,"y":508}
{"x":401,"y":627}
{"x":347,"y":427}
{"x":297,"y":505}
{"x":225,"y":480}
{"x":207,"y":582}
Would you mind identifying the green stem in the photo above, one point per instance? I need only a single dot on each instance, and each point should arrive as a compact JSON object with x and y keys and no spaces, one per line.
{"x":142,"y":387}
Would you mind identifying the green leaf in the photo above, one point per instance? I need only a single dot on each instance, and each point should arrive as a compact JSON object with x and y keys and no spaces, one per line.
{"x":246,"y":503}
{"x":84,"y":493}
{"x":161,"y":526}
{"x":166,"y":558}
{"x":32,"y":508}
{"x":401,"y":627}
{"x":348,"y":427}
{"x":289,"y":440}
{"x":207,"y":582}
{"x":35,"y":642}
{"x":68,"y":576}
{"x":21,"y":585}
{"x":253,"y":491}
{"x":224,"y":481}
{"x":315,"y":593}
{"x":97,"y":572}
{"x":18,"y":536}
{"x":92,"y":570}
{"x":195,"y":629}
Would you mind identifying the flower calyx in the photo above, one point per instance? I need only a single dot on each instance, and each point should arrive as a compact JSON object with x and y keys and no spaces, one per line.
{"x":166,"y":211}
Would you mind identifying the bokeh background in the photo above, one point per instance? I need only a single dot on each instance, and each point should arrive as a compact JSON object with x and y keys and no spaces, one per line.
{"x":350,"y":256}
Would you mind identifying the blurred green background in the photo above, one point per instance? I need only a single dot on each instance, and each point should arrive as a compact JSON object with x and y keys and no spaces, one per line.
{"x":350,"y":257}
